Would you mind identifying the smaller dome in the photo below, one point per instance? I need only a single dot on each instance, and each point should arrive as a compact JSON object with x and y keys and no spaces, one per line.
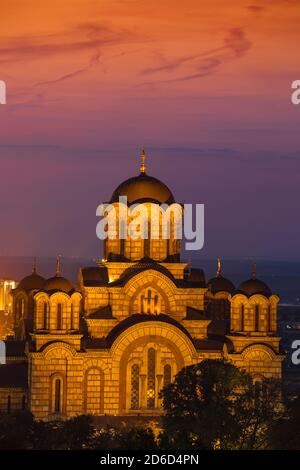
{"x":32,"y":282}
{"x":58,"y":283}
{"x":254,"y":286}
{"x":220,"y":284}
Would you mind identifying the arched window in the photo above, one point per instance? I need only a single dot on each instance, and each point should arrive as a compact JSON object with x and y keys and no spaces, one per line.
{"x":256,"y":318}
{"x":59,"y":313}
{"x":93,"y":391}
{"x":151,"y":378}
{"x":45,"y":315}
{"x":150,"y":303}
{"x":135,"y":387}
{"x":72,"y":318}
{"x":242,"y":317}
{"x":167,"y":375}
{"x":57,"y":402}
{"x":21,"y":308}
{"x":269,"y":323}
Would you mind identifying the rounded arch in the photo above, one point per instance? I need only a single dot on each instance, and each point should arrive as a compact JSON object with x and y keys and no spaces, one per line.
{"x":93,"y":390}
{"x":153,"y":287}
{"x":258,"y":352}
{"x":21,"y":302}
{"x":150,"y":277}
{"x":41,"y":311}
{"x":222,"y":294}
{"x":165,"y":331}
{"x":135,"y":319}
{"x":58,"y":349}
{"x":57,"y":391}
{"x":59,"y":296}
{"x":41,"y":295}
{"x":96,"y":362}
{"x":140,"y":337}
{"x":239,"y":299}
{"x":258,"y":299}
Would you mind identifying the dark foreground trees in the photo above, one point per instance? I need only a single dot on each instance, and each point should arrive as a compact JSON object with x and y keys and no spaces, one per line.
{"x":286,"y":433}
{"x":215,"y":405}
{"x":211,"y":405}
{"x":19,"y":431}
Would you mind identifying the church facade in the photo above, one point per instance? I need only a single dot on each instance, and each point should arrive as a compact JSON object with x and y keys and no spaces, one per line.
{"x":110,"y":344}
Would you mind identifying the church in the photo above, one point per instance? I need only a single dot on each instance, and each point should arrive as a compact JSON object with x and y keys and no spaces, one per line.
{"x":108,"y":345}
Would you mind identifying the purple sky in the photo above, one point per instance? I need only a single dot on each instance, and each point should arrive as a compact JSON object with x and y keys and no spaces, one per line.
{"x":206,"y":91}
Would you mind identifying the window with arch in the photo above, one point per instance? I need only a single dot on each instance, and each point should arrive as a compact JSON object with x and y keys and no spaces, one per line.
{"x":167,"y":375}
{"x":242,"y":326}
{"x":269,"y":322}
{"x":45,"y":315}
{"x":94,"y":391}
{"x":135,"y":387}
{"x":151,"y":378}
{"x":72,"y":327}
{"x":21,"y":308}
{"x":57,"y":396}
{"x":256,"y":317}
{"x":150,"y":302}
{"x":59,"y":316}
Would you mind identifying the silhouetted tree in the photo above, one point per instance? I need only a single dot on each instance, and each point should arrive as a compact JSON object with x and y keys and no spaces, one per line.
{"x":123,"y":438}
{"x":215,"y":405}
{"x":286,"y":432}
{"x":72,"y":434}
{"x":15,"y":430}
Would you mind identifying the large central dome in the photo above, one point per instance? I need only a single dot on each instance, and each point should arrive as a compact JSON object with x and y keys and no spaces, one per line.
{"x":143,"y":188}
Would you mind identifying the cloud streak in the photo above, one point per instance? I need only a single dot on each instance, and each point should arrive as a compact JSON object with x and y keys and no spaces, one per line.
{"x":35,"y":47}
{"x":235,"y":46}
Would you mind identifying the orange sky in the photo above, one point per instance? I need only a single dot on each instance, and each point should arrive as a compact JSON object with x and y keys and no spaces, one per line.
{"x":54,"y":52}
{"x":206,"y":83}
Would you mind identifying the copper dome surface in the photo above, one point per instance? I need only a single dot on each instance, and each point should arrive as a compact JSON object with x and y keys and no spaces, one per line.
{"x":58,"y":283}
{"x":32,"y":282}
{"x":254,"y":286}
{"x":220,"y":284}
{"x":143,"y":188}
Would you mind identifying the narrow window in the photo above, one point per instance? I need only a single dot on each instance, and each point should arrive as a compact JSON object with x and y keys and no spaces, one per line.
{"x":59,"y":317}
{"x":57,"y":396}
{"x":242,"y":317}
{"x":135,"y":387}
{"x":72,"y":318}
{"x":23,"y":402}
{"x":269,"y":324}
{"x":150,"y":303}
{"x":167,"y":375}
{"x":21,"y":308}
{"x":45,"y":315}
{"x":151,"y":378}
{"x":256,"y":326}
